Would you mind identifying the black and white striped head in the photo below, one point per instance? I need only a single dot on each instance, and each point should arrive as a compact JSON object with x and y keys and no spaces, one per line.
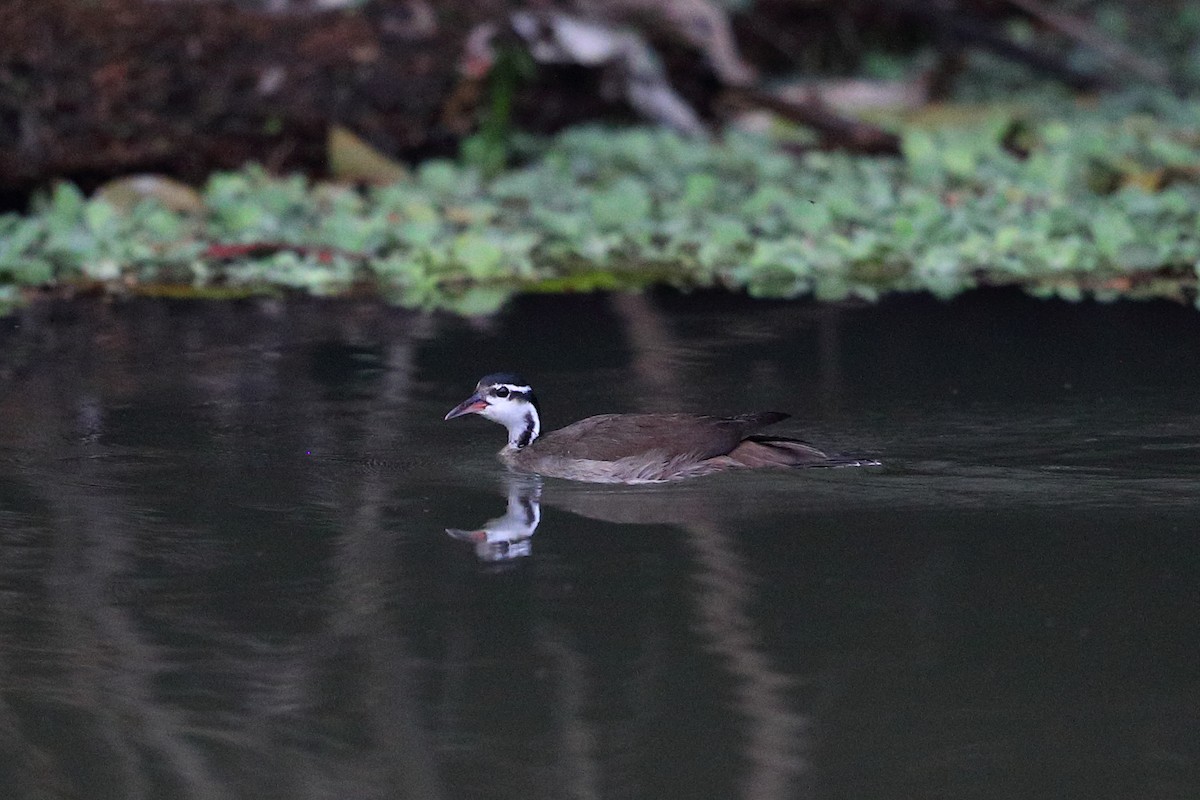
{"x":505,"y":398}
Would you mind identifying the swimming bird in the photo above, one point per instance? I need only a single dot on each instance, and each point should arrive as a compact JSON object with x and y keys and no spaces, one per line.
{"x":635,"y":448}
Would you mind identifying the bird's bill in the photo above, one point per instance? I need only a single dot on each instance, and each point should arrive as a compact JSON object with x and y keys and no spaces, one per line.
{"x":476,"y":536}
{"x":472,"y":405}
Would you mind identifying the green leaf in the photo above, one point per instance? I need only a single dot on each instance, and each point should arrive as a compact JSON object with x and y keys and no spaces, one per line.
{"x":1111,"y":231}
{"x":699,"y":190}
{"x":28,"y":271}
{"x":480,"y":257}
{"x":66,"y":205}
{"x":101,"y":217}
{"x":728,"y":232}
{"x":419,"y":233}
{"x":623,"y":205}
{"x":789,"y":254}
{"x":808,"y":216}
{"x":440,"y":177}
{"x":920,"y":153}
{"x":17,"y":238}
{"x":960,"y":159}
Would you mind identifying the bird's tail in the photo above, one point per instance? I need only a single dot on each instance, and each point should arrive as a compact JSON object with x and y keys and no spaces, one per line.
{"x":779,"y":451}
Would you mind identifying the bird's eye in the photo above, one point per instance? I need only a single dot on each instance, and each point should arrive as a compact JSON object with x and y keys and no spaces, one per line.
{"x":501,"y":391}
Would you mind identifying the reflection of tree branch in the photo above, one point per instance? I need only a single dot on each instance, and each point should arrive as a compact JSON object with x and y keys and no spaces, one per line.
{"x":119,"y":687}
{"x":829,"y":351}
{"x":651,"y":345}
{"x":29,"y":770}
{"x":102,"y":669}
{"x":777,"y":738}
{"x":92,"y":660}
{"x":362,"y":563}
{"x":576,"y":737}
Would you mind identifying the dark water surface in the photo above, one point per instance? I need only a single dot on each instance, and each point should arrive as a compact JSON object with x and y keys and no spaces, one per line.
{"x":225,"y":571}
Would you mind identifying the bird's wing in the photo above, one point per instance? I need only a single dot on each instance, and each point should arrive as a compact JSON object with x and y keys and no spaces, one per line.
{"x":610,"y":437}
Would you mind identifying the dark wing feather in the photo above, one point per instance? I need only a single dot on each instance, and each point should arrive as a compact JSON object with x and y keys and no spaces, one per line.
{"x":610,"y":437}
{"x":781,"y":451}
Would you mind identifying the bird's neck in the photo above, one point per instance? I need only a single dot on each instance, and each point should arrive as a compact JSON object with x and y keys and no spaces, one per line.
{"x":523,"y":429}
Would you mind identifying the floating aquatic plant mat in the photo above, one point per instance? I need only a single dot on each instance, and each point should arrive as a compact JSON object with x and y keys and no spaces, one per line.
{"x":1100,"y":201}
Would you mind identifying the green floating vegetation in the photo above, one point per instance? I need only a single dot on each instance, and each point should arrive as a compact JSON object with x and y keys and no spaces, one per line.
{"x":1059,"y":198}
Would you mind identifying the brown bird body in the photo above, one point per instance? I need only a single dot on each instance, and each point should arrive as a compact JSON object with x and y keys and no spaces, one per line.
{"x":635,"y":448}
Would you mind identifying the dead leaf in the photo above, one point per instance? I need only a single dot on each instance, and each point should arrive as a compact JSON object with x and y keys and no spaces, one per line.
{"x":125,"y":193}
{"x":352,"y":159}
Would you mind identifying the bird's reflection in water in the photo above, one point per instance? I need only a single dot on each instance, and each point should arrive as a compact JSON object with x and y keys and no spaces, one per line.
{"x":776,"y":736}
{"x":509,"y":536}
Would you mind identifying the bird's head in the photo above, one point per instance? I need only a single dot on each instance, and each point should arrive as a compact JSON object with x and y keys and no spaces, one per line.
{"x":505,"y":398}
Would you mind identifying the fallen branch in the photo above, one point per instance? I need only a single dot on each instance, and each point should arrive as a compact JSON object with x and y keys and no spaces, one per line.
{"x":835,"y":130}
{"x":1085,"y":33}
